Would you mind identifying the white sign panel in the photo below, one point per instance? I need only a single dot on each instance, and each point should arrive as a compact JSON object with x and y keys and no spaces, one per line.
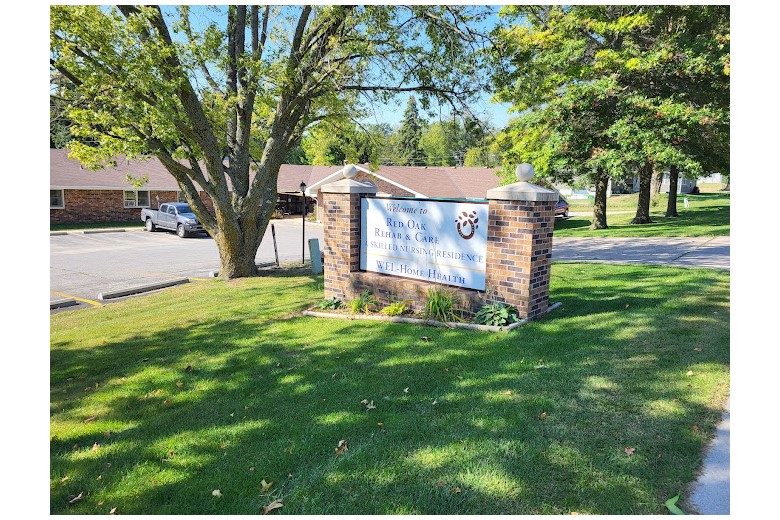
{"x":435,"y":241}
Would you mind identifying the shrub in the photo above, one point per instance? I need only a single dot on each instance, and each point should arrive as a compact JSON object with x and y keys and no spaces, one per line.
{"x":364,"y":303}
{"x":396,"y":309}
{"x":439,"y":305}
{"x":496,"y":314}
{"x":331,"y":303}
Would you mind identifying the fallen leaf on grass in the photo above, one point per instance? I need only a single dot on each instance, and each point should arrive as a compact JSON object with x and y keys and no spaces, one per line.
{"x":101,"y":502}
{"x":76,"y":498}
{"x":543,"y":416}
{"x":188,"y":369}
{"x":270,"y":507}
{"x":425,"y":338}
{"x":406,"y":390}
{"x":216,"y":493}
{"x":434,"y":401}
{"x":95,"y":447}
{"x":179,"y":384}
{"x":107,"y":434}
{"x":90,"y":419}
{"x":364,"y":401}
{"x":64,"y":479}
{"x":695,"y":428}
{"x":689,"y":373}
{"x":671,"y":505}
{"x":508,"y":392}
{"x":697,"y":349}
{"x":341,"y":448}
{"x":630,"y":451}
{"x":265,"y":486}
{"x":252,"y":469}
{"x":99,"y":477}
{"x":440,"y":484}
{"x":113,"y":511}
{"x":458,"y":491}
{"x":370,"y":406}
{"x":167,"y":401}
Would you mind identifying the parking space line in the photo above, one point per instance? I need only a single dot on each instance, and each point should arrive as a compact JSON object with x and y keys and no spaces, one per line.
{"x":91,"y":302}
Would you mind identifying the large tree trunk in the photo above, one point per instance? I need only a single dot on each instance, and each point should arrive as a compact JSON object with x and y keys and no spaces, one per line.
{"x":600,"y":202}
{"x":643,"y":206}
{"x":671,"y":205}
{"x":656,"y":181}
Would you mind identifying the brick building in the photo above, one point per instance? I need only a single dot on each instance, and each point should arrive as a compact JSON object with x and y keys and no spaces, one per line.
{"x":78,"y":195}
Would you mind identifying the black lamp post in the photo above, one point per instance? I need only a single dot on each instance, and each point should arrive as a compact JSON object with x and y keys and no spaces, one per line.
{"x":303,"y":232}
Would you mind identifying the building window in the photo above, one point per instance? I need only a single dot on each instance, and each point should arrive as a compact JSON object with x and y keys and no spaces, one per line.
{"x":56,"y":199}
{"x":136,"y":199}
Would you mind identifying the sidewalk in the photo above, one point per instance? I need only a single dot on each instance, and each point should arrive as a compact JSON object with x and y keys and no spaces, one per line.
{"x":711,"y":495}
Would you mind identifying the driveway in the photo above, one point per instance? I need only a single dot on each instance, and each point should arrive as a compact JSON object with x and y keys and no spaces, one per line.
{"x":83,"y":265}
{"x":712,"y":252}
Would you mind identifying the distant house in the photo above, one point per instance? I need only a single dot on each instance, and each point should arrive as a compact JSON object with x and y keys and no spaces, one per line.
{"x":78,"y":195}
{"x":684,"y":184}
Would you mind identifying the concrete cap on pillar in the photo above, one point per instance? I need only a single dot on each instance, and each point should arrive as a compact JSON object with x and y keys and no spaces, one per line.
{"x":523,"y":190}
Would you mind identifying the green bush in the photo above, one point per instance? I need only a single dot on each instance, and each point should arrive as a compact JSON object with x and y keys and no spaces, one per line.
{"x":364,"y":303}
{"x":496,"y":314}
{"x":331,"y":303}
{"x":396,"y":309}
{"x":439,"y":305}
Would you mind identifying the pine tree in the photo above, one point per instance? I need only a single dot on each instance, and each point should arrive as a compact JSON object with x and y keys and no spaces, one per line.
{"x":409,"y":136}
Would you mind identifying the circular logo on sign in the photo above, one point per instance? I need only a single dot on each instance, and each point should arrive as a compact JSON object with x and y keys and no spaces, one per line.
{"x":467,"y":224}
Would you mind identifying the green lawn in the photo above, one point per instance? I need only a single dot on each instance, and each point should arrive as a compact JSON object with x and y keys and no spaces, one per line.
{"x":603,"y":407}
{"x":708,"y":214}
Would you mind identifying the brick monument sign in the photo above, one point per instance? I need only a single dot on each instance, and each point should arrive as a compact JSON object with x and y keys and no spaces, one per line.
{"x":496,"y":249}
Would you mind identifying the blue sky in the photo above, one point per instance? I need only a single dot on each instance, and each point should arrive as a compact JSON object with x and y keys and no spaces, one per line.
{"x":392,"y":113}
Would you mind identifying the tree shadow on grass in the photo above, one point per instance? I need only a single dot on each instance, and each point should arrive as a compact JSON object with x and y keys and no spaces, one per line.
{"x":532,"y":422}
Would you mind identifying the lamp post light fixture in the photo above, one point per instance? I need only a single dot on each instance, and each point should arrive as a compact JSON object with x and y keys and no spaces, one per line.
{"x":303,"y":228}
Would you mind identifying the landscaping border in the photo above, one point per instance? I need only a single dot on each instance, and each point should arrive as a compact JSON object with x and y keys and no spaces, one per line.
{"x":419,"y":321}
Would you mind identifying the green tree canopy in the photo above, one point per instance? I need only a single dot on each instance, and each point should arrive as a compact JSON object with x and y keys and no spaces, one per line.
{"x":217,"y":92}
{"x":611,"y":90}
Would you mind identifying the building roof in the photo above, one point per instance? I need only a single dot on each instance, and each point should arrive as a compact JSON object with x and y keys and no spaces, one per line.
{"x":429,"y":181}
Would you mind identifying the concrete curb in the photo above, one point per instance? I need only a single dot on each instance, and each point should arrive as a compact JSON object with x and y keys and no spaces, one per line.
{"x":215,"y":274}
{"x":141,"y":289}
{"x":67,"y":302}
{"x":92,"y":231}
{"x":96,"y":231}
{"x":418,"y":321}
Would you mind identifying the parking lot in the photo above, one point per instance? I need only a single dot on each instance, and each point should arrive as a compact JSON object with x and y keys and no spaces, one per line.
{"x":84,"y":265}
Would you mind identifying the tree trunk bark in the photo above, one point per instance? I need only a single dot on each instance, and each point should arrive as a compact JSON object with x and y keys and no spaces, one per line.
{"x":643,"y":206}
{"x":599,"y":220}
{"x":671,"y":204}
{"x":657,"y":181}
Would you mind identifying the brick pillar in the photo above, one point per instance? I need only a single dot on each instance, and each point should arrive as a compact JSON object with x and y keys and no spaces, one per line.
{"x":341,"y":220}
{"x":519,"y":245}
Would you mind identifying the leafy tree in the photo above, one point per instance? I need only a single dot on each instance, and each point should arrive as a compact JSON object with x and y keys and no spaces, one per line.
{"x":610,"y":90}
{"x":234,"y":91}
{"x":409,"y":136}
{"x":338,"y":143}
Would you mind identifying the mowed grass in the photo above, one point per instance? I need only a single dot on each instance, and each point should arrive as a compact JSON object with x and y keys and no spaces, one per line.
{"x":603,"y":407}
{"x":707,"y":214}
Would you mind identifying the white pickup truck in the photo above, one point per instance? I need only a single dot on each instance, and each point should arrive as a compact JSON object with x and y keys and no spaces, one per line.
{"x":173,"y":216}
